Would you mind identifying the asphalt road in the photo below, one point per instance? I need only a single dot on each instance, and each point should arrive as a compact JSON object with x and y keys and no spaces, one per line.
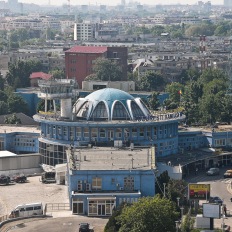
{"x":219,"y":186}
{"x":67,"y":224}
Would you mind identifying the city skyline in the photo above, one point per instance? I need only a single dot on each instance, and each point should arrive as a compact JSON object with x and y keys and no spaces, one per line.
{"x":116,"y":2}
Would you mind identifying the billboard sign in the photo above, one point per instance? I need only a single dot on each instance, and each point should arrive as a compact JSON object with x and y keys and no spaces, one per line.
{"x":211,"y":210}
{"x":198,"y":191}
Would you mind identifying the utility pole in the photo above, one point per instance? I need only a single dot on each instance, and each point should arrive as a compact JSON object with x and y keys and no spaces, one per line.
{"x":164,"y":189}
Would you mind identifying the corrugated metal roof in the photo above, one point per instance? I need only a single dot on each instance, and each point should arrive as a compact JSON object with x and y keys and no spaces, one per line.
{"x":87,"y":49}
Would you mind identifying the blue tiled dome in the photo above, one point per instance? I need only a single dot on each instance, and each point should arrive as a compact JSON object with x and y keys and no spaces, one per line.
{"x":109,"y":104}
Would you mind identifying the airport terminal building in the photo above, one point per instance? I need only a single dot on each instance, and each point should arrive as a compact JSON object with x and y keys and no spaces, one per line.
{"x":106,"y":117}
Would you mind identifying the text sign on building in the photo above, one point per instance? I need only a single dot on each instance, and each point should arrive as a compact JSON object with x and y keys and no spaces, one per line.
{"x":199,"y":191}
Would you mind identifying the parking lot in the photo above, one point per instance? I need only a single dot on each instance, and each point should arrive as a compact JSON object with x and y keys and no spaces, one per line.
{"x":34,"y":191}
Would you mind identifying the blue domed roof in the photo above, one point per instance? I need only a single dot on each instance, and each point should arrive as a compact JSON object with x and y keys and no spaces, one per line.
{"x":109,"y":94}
{"x":109,"y":104}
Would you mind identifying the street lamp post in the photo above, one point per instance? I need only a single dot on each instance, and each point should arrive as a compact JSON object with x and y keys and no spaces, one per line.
{"x":182,"y":212}
{"x":177,"y":225}
{"x":178,"y":201}
{"x":164,"y":189}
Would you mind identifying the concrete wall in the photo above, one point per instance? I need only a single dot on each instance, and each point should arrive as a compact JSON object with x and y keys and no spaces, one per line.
{"x":122,"y":85}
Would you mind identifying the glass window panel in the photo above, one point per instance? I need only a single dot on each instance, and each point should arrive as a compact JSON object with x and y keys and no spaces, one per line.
{"x":137,"y":112}
{"x":78,"y":131}
{"x":118,"y":133}
{"x":102,"y":133}
{"x":94,"y":132}
{"x":99,"y":112}
{"x":119,"y":112}
{"x":96,"y":183}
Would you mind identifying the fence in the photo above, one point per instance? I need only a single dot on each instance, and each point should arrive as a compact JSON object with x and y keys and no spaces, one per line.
{"x":3,"y":218}
{"x":53,"y":207}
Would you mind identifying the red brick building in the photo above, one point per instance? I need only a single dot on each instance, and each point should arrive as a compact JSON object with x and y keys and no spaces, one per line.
{"x":79,"y":60}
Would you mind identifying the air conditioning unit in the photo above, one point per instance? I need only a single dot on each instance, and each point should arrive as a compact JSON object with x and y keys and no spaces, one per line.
{"x":88,"y":187}
{"x":121,"y":188}
{"x":79,"y":187}
{"x":117,"y":184}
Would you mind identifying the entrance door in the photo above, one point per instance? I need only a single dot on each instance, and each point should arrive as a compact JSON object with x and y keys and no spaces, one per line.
{"x":101,"y":210}
{"x":110,"y":134}
{"x":78,"y":208}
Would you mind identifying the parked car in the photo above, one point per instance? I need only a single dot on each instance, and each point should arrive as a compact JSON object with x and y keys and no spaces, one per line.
{"x":84,"y":227}
{"x":213,"y":172}
{"x":216,"y":200}
{"x":4,"y":180}
{"x":20,"y":178}
{"x":228,"y":174}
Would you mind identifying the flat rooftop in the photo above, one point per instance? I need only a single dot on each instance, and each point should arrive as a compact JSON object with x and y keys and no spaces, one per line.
{"x":217,"y":128}
{"x":99,"y":158}
{"x":12,"y":128}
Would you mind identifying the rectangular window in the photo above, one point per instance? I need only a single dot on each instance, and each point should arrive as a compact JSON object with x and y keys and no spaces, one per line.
{"x":119,"y":133}
{"x":129,"y":183}
{"x":102,"y":133}
{"x":86,"y":132}
{"x":94,"y":132}
{"x":71,"y":133}
{"x":96,"y":183}
{"x":65,"y":131}
{"x":141,"y":132}
{"x":78,"y":132}
{"x":134,"y":132}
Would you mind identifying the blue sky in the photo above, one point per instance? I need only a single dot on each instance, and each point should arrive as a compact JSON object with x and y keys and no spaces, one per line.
{"x":115,"y":2}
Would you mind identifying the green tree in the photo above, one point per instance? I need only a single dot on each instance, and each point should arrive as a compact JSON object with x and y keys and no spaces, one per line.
{"x":175,"y":91}
{"x":16,"y":104}
{"x":13,"y":119}
{"x":19,"y":72}
{"x":112,"y":224}
{"x":3,"y":96}
{"x":106,"y":70}
{"x":162,"y":179}
{"x":2,"y":82}
{"x":149,"y":214}
{"x":3,"y":108}
{"x":154,"y":101}
{"x":177,"y":188}
{"x":57,"y":73}
{"x":152,"y":81}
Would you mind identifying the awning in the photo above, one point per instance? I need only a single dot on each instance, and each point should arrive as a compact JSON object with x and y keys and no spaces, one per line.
{"x":100,"y":198}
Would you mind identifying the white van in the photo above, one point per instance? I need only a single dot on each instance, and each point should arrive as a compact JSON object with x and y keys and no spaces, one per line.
{"x":27,"y":210}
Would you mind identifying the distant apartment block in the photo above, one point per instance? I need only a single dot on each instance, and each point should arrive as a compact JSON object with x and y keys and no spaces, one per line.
{"x":83,"y":31}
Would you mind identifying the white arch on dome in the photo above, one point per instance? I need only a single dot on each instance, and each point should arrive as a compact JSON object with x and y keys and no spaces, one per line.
{"x":112,"y":109}
{"x":94,"y":107}
{"x":130,"y":108}
{"x":78,"y":104}
{"x":142,"y":106}
{"x":128,"y":102}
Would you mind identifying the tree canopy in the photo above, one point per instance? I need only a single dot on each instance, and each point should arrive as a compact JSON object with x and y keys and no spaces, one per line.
{"x":148,"y":214}
{"x":105,"y":70}
{"x":19,"y":72}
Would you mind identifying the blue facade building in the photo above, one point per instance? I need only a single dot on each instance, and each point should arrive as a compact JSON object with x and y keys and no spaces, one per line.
{"x":103,"y":118}
{"x":101,"y":179}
